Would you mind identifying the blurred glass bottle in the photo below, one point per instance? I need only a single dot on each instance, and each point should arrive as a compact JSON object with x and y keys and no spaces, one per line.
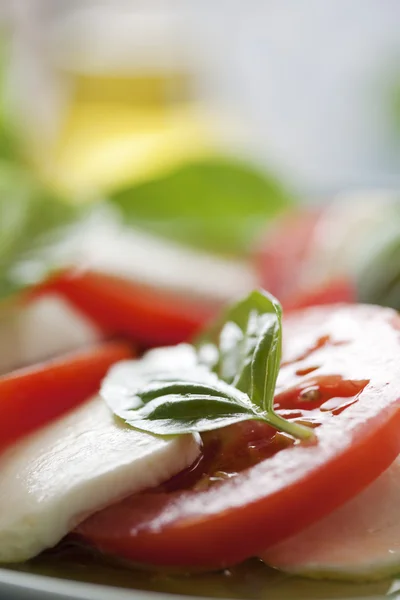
{"x":105,"y":88}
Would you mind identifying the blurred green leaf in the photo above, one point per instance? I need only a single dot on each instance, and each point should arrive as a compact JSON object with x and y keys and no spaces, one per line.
{"x":395,"y":105}
{"x":10,"y":147}
{"x":215,"y":204}
{"x":377,"y":275}
{"x":32,"y":220}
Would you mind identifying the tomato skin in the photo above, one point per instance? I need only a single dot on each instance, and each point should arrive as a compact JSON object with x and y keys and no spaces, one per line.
{"x":32,"y":397}
{"x":121,"y":307}
{"x":242,"y":516}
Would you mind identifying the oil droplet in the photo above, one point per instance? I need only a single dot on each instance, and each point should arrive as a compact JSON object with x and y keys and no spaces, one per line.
{"x":310,"y":394}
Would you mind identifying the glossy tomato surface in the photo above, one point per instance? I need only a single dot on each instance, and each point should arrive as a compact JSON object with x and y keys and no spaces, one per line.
{"x":253,"y":486}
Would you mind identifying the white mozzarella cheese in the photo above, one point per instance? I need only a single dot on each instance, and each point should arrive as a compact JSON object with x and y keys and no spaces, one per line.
{"x":106,"y":246}
{"x":53,"y":479}
{"x":359,"y":541}
{"x":156,"y":262}
{"x":42,"y":329}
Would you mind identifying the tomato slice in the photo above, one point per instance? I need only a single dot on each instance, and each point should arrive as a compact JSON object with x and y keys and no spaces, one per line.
{"x":150,"y":317}
{"x":280,"y":257}
{"x":338,"y":290}
{"x":33,"y":396}
{"x":283,"y":263}
{"x":340,"y":375}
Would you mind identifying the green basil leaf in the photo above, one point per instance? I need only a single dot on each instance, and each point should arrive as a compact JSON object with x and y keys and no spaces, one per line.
{"x":216,"y":204}
{"x":126,"y":380}
{"x":178,"y":414}
{"x":32,"y":221}
{"x":161,"y":372}
{"x":10,"y":146}
{"x":229,"y":377}
{"x":32,"y":217}
{"x":169,"y":392}
{"x":266,"y":358}
{"x":231,"y":344}
{"x":377,"y":272}
{"x":244,"y":348}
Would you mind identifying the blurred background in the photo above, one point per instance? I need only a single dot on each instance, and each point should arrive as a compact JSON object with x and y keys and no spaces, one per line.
{"x":110,"y":91}
{"x":200,"y":123}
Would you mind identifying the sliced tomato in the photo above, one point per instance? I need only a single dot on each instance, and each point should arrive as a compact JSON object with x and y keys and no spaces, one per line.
{"x":148,"y":316}
{"x":253,"y":488}
{"x":280,"y":256}
{"x":33,"y":396}
{"x":336,"y":291}
{"x":284,"y":261}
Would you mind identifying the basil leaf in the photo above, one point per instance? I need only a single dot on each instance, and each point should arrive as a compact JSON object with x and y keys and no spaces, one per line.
{"x":229,"y":377}
{"x":377,"y":272}
{"x":169,"y":392}
{"x":244,"y":348}
{"x":32,"y":217}
{"x":190,"y":411}
{"x":10,"y":147}
{"x":216,"y":204}
{"x":267,"y":358}
{"x":32,"y":221}
{"x":162,"y":372}
{"x":174,"y":415}
{"x":126,"y":380}
{"x":249,"y":331}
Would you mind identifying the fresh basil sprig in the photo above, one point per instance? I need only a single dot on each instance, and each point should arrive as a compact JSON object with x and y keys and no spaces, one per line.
{"x":228,"y":376}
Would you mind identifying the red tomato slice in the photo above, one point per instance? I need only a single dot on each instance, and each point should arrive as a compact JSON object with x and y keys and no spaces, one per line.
{"x":150,"y":317}
{"x":340,"y":374}
{"x":339,"y":290}
{"x":282,"y":253}
{"x":33,"y":396}
{"x":284,"y":257}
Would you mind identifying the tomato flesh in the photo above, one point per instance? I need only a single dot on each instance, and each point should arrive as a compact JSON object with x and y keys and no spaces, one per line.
{"x":121,"y":307}
{"x":32,"y":397}
{"x":340,"y":376}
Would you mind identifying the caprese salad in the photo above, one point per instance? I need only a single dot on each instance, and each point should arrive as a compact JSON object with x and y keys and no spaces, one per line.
{"x":261,"y":435}
{"x":138,"y":426}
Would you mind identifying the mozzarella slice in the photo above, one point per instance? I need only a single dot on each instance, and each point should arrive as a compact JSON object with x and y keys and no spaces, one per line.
{"x":105,"y":245}
{"x":141,"y":257}
{"x":56,"y":477}
{"x":359,"y":541}
{"x":42,"y":329}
